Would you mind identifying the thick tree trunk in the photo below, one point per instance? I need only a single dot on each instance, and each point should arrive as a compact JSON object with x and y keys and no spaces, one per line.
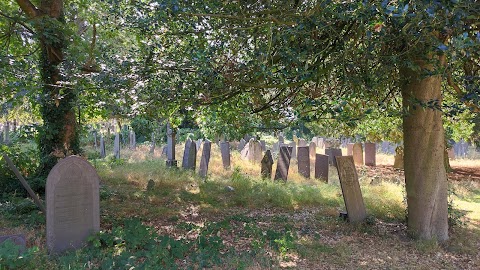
{"x":58,"y":137}
{"x":424,"y":144}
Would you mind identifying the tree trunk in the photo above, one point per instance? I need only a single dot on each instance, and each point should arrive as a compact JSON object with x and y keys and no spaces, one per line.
{"x":58,"y":137}
{"x":424,"y":145}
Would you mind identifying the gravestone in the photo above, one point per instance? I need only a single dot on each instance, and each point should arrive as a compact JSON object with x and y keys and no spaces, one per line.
{"x":294,"y":150}
{"x":7,"y":133}
{"x":255,"y":151}
{"x":225,"y":151}
{"x":116,"y":146}
{"x":244,"y":151}
{"x":350,"y":149}
{"x":171,"y":162}
{"x":275,"y":147}
{"x":164,"y":151}
{"x":267,"y":163}
{"x":352,"y":195}
{"x":398,"y":162}
{"x":17,"y":239}
{"x":321,"y":167}
{"x":73,"y":214}
{"x":207,"y":146}
{"x":189,"y":155}
{"x":303,"y":158}
{"x":199,"y":144}
{"x":241,"y":145}
{"x":320,"y":142}
{"x":370,"y":154}
{"x":95,"y":140}
{"x":103,"y":153}
{"x":358,"y":154}
{"x":281,"y":140}
{"x":152,"y":146}
{"x":313,"y":150}
{"x":332,"y":153}
{"x":283,"y":163}
{"x":263,"y":144}
{"x":133,"y":140}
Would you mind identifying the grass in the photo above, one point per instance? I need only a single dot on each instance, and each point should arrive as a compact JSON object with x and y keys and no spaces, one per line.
{"x":233,"y":219}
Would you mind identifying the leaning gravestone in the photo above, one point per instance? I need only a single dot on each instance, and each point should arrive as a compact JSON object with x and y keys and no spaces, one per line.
{"x":207,"y":146}
{"x":304,"y":161}
{"x":73,"y":213}
{"x":358,"y":154}
{"x":17,"y":239}
{"x":225,"y":151}
{"x":332,"y":153}
{"x":352,"y":195}
{"x":116,"y":146}
{"x":103,"y":153}
{"x":370,"y":154}
{"x":283,"y":163}
{"x":321,"y":167}
{"x":267,"y":163}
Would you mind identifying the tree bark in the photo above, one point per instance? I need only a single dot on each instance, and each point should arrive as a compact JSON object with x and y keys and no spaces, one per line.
{"x":424,"y":147}
{"x":58,"y":137}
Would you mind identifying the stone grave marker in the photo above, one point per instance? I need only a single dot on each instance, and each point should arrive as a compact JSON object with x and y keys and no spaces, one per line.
{"x":294,"y":150}
{"x":72,"y":194}
{"x":164,"y":151}
{"x":225,"y":151}
{"x":255,"y":151}
{"x":332,"y":153}
{"x":263,"y":144}
{"x":171,"y":162}
{"x":398,"y":162}
{"x":244,"y":152}
{"x":358,"y":154}
{"x":321,"y":167}
{"x":186,"y":153}
{"x":352,"y":195}
{"x":313,"y":150}
{"x":152,"y":146}
{"x":321,"y":142}
{"x":281,"y":140}
{"x":267,"y":163}
{"x":207,"y":146}
{"x":103,"y":153}
{"x":7,"y":133}
{"x":95,"y":145}
{"x":303,"y":158}
{"x":302,"y":143}
{"x":199,"y":144}
{"x":133,"y":140}
{"x":116,"y":146}
{"x":283,"y":163}
{"x":17,"y":239}
{"x":370,"y":154}
{"x":241,"y":145}
{"x":350,"y":149}
{"x":275,"y":147}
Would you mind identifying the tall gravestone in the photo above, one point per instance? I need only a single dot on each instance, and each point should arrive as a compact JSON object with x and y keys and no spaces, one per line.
{"x":7,"y":133}
{"x":283,"y":163}
{"x":357,"y":154}
{"x":281,"y":140}
{"x":73,"y":212}
{"x":312,"y":147}
{"x":225,"y":152}
{"x":370,"y":154}
{"x":152,"y":146}
{"x":189,"y":161}
{"x":133,"y":140}
{"x":332,"y":153}
{"x":352,"y":195}
{"x":321,"y":167}
{"x":103,"y":153}
{"x":294,"y":150}
{"x":171,"y":162}
{"x":350,"y":149}
{"x":303,"y":161}
{"x":205,"y":160}
{"x":116,"y":146}
{"x":254,"y":151}
{"x":263,"y":144}
{"x":267,"y":163}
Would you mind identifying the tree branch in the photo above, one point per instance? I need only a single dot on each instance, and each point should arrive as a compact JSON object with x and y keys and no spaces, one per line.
{"x":29,"y":8}
{"x":475,"y":108}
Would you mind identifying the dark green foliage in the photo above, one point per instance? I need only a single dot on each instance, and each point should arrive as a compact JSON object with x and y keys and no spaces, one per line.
{"x":143,"y":128}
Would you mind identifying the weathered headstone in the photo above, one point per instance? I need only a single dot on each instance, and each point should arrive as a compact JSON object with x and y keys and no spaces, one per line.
{"x":189,"y":160}
{"x":350,"y":149}
{"x":241,"y":145}
{"x":95,"y":145}
{"x":103,"y":153}
{"x":199,"y":144}
{"x":352,"y":195}
{"x":321,"y":167}
{"x":281,"y":140}
{"x":313,"y":150}
{"x":133,"y":140}
{"x":7,"y":133}
{"x":17,"y":239}
{"x":275,"y":147}
{"x":116,"y":146}
{"x":225,"y":151}
{"x":72,"y":194}
{"x":294,"y":150}
{"x":283,"y":163}
{"x":267,"y":163}
{"x":370,"y":154}
{"x":171,"y":162}
{"x":398,"y":162}
{"x":332,"y":153}
{"x":254,"y":151}
{"x":358,"y":154}
{"x":263,"y":144}
{"x":152,"y":146}
{"x":302,"y":143}
{"x":207,"y":146}
{"x":303,"y":158}
{"x":164,"y":151}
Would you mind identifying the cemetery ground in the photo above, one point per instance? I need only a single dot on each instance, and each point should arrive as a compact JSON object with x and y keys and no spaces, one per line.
{"x":236,"y":220}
